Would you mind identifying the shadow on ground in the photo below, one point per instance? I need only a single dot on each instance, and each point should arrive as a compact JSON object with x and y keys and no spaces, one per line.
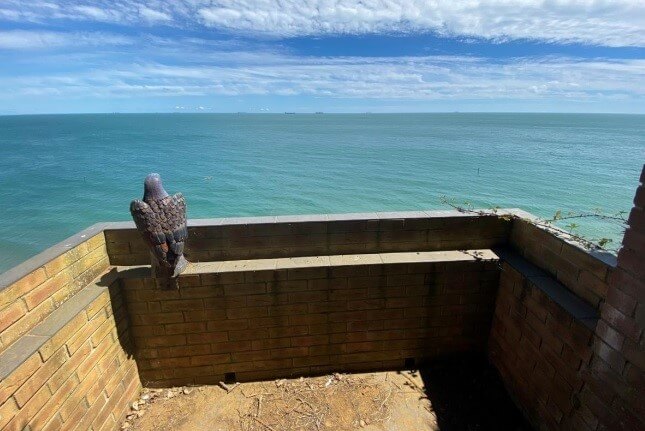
{"x":467,"y":394}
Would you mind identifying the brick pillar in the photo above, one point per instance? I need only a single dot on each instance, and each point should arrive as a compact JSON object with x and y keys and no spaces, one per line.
{"x":613,"y":397}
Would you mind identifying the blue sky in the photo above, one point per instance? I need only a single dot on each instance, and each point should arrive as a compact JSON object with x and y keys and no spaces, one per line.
{"x":321,"y":55}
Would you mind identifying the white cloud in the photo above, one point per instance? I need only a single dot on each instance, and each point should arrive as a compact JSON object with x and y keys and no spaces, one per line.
{"x":619,"y":23}
{"x":26,"y":39}
{"x":597,"y":22}
{"x":410,"y":78}
{"x":96,"y":13}
{"x":154,"y":15}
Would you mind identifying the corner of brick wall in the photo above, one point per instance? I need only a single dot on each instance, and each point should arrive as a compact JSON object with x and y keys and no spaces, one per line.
{"x":29,"y":300}
{"x":83,"y":377}
{"x":562,"y":374}
{"x":614,"y":388}
{"x":538,"y":349}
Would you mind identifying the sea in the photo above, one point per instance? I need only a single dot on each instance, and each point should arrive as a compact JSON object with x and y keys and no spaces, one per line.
{"x":62,"y":173}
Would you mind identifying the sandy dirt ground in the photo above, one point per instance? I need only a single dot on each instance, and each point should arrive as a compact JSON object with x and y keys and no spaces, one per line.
{"x":445,"y":399}
{"x":389,"y":401}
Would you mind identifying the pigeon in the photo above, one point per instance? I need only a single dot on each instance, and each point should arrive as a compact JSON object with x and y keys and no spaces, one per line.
{"x":161,"y":220}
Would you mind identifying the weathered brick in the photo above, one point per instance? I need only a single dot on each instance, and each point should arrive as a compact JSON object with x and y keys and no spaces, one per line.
{"x":28,"y":410}
{"x":287,"y":309}
{"x":227,"y":325}
{"x":182,"y":304}
{"x":201,"y":292}
{"x":53,"y":404}
{"x":631,"y":261}
{"x":11,"y":314}
{"x":85,"y":332}
{"x":634,"y":354}
{"x":625,"y":325}
{"x":98,"y":305}
{"x":309,"y":340}
{"x":327,"y":306}
{"x":268,"y":322}
{"x":247,"y":312}
{"x":308,"y":319}
{"x":158,"y":318}
{"x":621,"y":301}
{"x":309,"y":297}
{"x":27,"y":322}
{"x":612,"y":357}
{"x":245,"y":289}
{"x":63,"y":335}
{"x":327,"y":328}
{"x":185,"y":328}
{"x":47,"y":289}
{"x":68,"y":368}
{"x":205,"y":370}
{"x":38,"y":379}
{"x":610,"y":335}
{"x":205,"y":315}
{"x":164,"y":341}
{"x":102,"y":331}
{"x":290,"y":352}
{"x":288,"y":331}
{"x":22,"y":286}
{"x":247,"y":334}
{"x":593,"y":283}
{"x":207,"y":337}
{"x":270,"y":343}
{"x":8,"y":410}
{"x":231,"y":346}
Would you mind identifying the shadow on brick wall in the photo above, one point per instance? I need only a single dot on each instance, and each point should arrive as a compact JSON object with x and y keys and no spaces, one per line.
{"x":112,"y":281}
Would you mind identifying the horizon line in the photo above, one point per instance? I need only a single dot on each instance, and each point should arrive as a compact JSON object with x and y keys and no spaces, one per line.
{"x":321,"y":113}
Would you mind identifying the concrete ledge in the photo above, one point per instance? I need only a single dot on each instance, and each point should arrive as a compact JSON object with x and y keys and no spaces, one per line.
{"x":337,"y":260}
{"x":30,"y":343}
{"x":19,"y":271}
{"x":556,"y":291}
{"x":321,"y":234}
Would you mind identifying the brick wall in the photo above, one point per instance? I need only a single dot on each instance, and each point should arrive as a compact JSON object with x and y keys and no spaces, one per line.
{"x":32,"y":297}
{"x":567,"y":334}
{"x":567,"y":368}
{"x":614,"y":384}
{"x":584,"y":273}
{"x":80,"y":378}
{"x":306,"y":320}
{"x":286,"y":236}
{"x":539,"y":348}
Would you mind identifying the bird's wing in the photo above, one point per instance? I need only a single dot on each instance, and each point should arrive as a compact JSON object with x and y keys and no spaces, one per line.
{"x":174,"y":222}
{"x":150,"y":225}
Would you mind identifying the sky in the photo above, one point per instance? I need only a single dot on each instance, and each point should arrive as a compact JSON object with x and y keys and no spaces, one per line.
{"x":72,"y":56}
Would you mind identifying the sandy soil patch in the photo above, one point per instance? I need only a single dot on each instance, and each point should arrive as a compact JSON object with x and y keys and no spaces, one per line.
{"x":456,"y":396}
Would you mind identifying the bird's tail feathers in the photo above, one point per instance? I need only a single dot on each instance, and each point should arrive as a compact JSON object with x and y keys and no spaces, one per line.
{"x":180,"y":265}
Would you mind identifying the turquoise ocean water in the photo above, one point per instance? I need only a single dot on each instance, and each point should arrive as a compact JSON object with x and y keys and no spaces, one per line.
{"x":62,"y":173}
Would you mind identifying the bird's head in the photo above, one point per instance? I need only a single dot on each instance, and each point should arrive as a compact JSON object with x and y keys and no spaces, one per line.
{"x":153,"y":188}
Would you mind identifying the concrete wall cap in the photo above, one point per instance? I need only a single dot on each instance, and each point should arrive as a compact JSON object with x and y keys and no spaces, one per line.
{"x":19,"y":271}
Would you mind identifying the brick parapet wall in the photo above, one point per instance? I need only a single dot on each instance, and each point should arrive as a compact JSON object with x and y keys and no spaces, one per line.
{"x":586,"y":273}
{"x":77,"y":374}
{"x":289,"y":236}
{"x":614,"y":387}
{"x":540,"y":347}
{"x":565,"y":371}
{"x":274,"y":322}
{"x":30,"y":298}
{"x":263,"y":324}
